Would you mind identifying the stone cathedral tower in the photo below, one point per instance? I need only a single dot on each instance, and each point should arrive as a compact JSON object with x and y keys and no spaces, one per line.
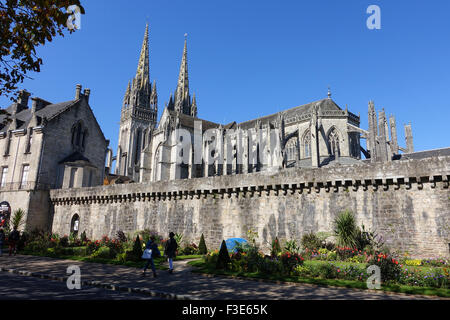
{"x":182,"y":102}
{"x":138,"y":117}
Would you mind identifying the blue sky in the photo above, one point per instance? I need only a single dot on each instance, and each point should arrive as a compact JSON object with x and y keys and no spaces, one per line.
{"x":250,"y":58}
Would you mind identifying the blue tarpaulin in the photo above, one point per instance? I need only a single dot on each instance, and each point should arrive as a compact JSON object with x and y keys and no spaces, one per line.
{"x":231,"y":243}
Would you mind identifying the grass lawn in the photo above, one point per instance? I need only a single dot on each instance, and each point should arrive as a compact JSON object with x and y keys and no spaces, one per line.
{"x":201,"y":267}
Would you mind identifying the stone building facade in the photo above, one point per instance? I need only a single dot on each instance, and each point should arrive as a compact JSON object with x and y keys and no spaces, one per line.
{"x":48,"y":146}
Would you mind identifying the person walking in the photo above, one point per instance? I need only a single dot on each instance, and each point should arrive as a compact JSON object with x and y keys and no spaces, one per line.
{"x":2,"y":240}
{"x":13,"y":238}
{"x":151,"y":244}
{"x":170,"y":250}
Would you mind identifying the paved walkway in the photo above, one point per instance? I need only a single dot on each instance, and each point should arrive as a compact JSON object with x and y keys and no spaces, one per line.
{"x":183,"y":284}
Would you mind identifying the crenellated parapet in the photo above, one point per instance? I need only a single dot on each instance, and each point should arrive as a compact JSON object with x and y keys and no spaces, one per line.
{"x":379,"y":177}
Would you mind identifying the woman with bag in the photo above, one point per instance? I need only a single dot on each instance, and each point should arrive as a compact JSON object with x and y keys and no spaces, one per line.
{"x":151,"y":251}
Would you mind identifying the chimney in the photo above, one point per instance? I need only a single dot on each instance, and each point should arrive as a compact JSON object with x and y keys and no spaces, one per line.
{"x":23,"y":98}
{"x":86,"y":93}
{"x":34,"y":105}
{"x":22,"y":102}
{"x":38,"y":104}
{"x":78,"y":91}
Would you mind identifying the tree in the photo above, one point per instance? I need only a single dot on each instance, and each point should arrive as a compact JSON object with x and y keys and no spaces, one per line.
{"x":137,"y":248}
{"x":202,"y":246}
{"x":224,"y":257}
{"x":25,"y":25}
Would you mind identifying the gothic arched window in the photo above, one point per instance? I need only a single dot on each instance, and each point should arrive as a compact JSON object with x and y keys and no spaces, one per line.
{"x":333,"y":142}
{"x":306,"y":144}
{"x":292,"y":149}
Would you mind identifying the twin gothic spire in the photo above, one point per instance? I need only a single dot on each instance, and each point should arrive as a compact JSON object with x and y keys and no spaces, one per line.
{"x":139,"y":93}
{"x":143,"y":94}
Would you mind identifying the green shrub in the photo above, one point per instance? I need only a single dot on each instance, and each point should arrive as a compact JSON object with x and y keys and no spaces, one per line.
{"x":389,"y":267}
{"x":121,"y":257}
{"x":310,"y":241}
{"x":130,"y":256}
{"x":238,"y":265}
{"x":224,"y":258}
{"x":178,"y":238}
{"x":302,"y":271}
{"x":292,"y":247}
{"x":189,"y":249}
{"x":17,"y":218}
{"x":80,"y":251}
{"x":345,"y":229}
{"x":270,"y":266}
{"x":137,"y":248}
{"x":37,"y":246}
{"x":332,"y":255}
{"x":102,"y":252}
{"x":67,"y":251}
{"x":202,"y":246}
{"x":276,"y":248}
{"x":290,"y":261}
{"x":64,"y":241}
{"x":357,"y":259}
{"x":83,"y":237}
{"x":327,"y":271}
{"x":211,"y":257}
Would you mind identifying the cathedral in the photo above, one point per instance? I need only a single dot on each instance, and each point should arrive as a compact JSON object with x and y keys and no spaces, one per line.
{"x":313,"y":135}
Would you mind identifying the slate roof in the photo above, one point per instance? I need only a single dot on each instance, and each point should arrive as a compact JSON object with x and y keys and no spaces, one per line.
{"x":187,"y":121}
{"x":324,"y":105}
{"x":424,"y":154}
{"x":24,"y":116}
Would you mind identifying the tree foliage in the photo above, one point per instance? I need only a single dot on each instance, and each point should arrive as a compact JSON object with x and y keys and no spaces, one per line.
{"x":25,"y":25}
{"x":224,"y":257}
{"x":202,"y":246}
{"x":17,"y":218}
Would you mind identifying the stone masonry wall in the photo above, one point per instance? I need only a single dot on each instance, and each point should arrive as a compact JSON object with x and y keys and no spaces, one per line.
{"x":408,"y":202}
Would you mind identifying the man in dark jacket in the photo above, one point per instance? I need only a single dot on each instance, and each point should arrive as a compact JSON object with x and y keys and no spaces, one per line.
{"x":170,"y":250}
{"x":13,"y":238}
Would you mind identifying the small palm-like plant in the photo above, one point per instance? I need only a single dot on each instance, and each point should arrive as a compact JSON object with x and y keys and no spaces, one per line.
{"x":17,"y":218}
{"x":345,"y":229}
{"x":178,"y":238}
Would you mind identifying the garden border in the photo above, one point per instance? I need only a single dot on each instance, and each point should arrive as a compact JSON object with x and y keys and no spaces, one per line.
{"x":213,"y":275}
